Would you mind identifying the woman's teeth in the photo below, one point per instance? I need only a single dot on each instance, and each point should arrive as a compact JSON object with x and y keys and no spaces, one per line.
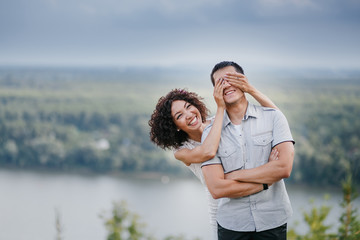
{"x":193,"y":121}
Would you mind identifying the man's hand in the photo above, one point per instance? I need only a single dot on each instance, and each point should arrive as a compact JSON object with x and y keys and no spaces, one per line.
{"x":274,"y":155}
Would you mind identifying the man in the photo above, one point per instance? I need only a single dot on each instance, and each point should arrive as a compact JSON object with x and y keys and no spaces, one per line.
{"x":248,"y":135}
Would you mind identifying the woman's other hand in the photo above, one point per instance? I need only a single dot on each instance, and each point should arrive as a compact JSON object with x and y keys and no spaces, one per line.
{"x":239,"y":80}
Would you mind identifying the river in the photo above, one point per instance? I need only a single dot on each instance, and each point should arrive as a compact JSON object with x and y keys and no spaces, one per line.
{"x":169,"y":206}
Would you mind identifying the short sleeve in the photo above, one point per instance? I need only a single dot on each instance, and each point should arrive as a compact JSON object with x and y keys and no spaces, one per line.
{"x":281,"y":132}
{"x":179,"y":148}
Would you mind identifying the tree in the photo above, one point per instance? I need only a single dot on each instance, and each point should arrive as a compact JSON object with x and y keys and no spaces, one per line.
{"x":123,"y":224}
{"x":350,"y":225}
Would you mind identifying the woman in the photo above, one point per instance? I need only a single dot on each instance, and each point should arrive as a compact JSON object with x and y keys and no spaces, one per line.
{"x":179,"y":119}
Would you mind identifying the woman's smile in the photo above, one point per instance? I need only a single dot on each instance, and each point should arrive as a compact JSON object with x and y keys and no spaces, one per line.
{"x":194,"y":121}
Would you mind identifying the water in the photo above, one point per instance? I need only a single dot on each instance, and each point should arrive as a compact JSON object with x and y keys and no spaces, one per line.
{"x":29,"y":199}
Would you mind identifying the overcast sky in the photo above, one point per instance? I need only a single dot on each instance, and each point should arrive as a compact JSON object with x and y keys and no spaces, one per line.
{"x":285,"y":34}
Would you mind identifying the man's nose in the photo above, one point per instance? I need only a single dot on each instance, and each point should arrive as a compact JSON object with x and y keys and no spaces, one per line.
{"x":226,"y":84}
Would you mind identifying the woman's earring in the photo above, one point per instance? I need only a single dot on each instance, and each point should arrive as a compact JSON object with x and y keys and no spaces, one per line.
{"x":178,"y":130}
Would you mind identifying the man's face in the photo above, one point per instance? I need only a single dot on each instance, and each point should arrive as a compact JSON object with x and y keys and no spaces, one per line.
{"x":231,"y":94}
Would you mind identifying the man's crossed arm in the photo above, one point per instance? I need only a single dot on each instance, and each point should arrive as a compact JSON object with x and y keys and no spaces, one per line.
{"x":249,"y":181}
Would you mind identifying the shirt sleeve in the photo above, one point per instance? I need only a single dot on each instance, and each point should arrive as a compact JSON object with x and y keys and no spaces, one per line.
{"x":281,"y":132}
{"x":216,"y":159}
{"x":179,"y":148}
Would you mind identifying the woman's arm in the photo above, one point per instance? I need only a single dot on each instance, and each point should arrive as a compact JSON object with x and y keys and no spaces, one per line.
{"x":208,"y":148}
{"x":240,"y":81}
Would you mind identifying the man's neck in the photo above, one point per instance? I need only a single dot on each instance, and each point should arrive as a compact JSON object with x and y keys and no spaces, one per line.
{"x":237,"y":111}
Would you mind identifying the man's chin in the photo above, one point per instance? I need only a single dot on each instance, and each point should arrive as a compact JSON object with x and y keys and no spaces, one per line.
{"x":229,"y":104}
{"x":233,"y":102}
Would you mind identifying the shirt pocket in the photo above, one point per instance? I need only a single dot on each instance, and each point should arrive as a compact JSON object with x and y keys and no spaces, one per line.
{"x":262,"y":148}
{"x":231,"y":159}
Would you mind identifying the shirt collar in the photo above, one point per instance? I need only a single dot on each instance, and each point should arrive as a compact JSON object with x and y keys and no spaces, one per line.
{"x":250,"y":112}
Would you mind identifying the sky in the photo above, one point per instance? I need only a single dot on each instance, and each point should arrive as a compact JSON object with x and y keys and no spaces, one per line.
{"x":282,"y":34}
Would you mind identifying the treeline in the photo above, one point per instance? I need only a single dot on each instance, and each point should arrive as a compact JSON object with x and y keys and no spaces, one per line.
{"x":79,"y":140}
{"x":77,"y":124}
{"x":329,"y":144}
{"x":74,"y":120}
{"x":326,"y":126}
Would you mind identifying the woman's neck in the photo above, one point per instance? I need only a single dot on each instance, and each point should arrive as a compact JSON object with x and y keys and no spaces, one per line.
{"x":196,"y":135}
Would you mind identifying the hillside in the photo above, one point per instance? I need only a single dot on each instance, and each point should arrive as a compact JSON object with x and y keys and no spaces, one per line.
{"x":96,"y":120}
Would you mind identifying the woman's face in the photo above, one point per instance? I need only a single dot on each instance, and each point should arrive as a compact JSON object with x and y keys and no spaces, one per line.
{"x":186,"y":116}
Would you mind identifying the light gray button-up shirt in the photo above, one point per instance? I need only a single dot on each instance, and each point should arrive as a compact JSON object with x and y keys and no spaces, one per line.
{"x":248,"y":146}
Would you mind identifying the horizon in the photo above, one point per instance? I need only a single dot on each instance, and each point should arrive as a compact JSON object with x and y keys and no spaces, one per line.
{"x":195,"y":71}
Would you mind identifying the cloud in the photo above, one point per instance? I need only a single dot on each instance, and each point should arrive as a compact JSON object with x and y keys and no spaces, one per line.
{"x":271,"y":4}
{"x":167,"y":33}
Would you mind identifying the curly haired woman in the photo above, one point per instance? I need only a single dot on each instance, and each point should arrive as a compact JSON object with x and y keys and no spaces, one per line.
{"x":179,"y":119}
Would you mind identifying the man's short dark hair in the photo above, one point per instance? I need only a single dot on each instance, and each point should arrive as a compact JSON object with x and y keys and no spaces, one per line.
{"x":224,"y":64}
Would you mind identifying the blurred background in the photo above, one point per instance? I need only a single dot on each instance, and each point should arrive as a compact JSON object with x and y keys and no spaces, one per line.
{"x":79,"y":80}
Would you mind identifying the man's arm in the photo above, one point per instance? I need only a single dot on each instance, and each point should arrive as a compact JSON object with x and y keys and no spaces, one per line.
{"x":270,"y":172}
{"x":220,"y":187}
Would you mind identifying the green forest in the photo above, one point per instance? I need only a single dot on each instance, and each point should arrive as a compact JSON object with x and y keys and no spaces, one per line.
{"x":97,"y":120}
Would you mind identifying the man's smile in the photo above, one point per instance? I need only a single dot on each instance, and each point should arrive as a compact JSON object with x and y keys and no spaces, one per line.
{"x":229,"y":92}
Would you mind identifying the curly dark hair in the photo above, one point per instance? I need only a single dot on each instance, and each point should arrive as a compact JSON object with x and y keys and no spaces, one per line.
{"x":163,"y":131}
